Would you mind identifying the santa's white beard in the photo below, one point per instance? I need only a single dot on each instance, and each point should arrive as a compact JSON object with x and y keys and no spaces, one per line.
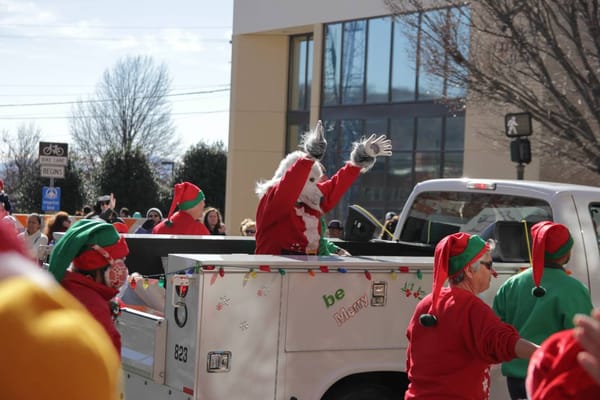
{"x":311,"y":197}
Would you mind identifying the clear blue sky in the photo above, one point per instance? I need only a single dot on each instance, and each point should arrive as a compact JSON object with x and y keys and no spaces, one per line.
{"x":56,"y":51}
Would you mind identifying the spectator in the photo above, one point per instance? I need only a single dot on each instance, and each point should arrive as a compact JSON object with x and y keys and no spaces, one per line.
{"x":105,"y":209}
{"x":536,"y":311}
{"x":453,"y":336}
{"x":4,"y":201}
{"x":42,"y":322}
{"x":153,"y":218}
{"x":248,"y":227}
{"x":213,"y":220}
{"x":335,"y":229}
{"x":59,"y":222}
{"x":186,"y":209}
{"x":34,"y":239}
{"x":96,"y":252}
{"x":86,"y":210}
{"x":124,"y":213}
{"x":12,"y":222}
{"x":390,"y":227}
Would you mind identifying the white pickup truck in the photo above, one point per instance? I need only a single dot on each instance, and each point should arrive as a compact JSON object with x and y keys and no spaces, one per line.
{"x":251,"y":327}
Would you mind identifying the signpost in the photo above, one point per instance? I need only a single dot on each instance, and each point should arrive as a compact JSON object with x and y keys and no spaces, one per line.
{"x":53,"y":160}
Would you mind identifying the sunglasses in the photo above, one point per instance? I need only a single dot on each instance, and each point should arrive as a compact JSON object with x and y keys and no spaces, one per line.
{"x":250,"y":231}
{"x":154,"y":216}
{"x":487,"y":264}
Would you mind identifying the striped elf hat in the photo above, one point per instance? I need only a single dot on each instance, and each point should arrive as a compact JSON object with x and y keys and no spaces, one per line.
{"x":550,"y":241}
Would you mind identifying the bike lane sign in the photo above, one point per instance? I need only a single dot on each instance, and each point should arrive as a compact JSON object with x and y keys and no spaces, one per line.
{"x":51,"y":153}
{"x":50,"y":198}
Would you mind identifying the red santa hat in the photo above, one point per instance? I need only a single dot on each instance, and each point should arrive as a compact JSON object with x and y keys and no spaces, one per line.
{"x":186,"y":195}
{"x":453,"y":254}
{"x":551,"y":241}
{"x":555,"y":374}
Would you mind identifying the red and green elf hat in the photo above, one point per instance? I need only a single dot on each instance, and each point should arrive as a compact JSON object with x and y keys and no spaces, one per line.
{"x":453,"y":254}
{"x":75,"y":246}
{"x":186,"y":195}
{"x":550,"y":241}
{"x":555,"y":374}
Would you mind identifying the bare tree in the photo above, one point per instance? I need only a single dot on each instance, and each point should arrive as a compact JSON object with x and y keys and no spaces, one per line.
{"x":129,"y":110}
{"x":540,"y":56}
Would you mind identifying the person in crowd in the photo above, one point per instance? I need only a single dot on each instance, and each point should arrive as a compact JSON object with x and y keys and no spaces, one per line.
{"x":543,"y":299}
{"x":46,"y":333}
{"x":105,"y":209}
{"x":184,"y":215}
{"x":453,"y":336}
{"x":35,"y":240}
{"x":335,"y":229}
{"x":292,"y":203}
{"x":587,"y":333}
{"x":59,"y":222}
{"x":124,"y":212}
{"x":4,"y":200}
{"x":390,"y":226}
{"x":153,"y":218}
{"x":555,"y":371}
{"x":248,"y":227}
{"x":86,"y":210}
{"x":96,"y":251}
{"x":213,"y":220}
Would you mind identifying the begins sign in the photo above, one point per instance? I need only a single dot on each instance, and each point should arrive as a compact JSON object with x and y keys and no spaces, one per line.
{"x":52,"y":171}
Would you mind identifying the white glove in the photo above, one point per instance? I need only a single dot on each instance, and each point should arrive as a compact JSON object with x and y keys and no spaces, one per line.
{"x":365,"y":151}
{"x":378,"y":146}
{"x":314,"y":142}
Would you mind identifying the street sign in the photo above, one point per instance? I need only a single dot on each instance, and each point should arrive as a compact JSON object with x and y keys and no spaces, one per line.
{"x":52,"y":171}
{"x":517,"y":124}
{"x":53,"y":153}
{"x":50,"y":198}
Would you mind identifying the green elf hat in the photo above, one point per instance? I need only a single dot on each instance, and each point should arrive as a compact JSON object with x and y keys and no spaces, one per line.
{"x":550,"y":241}
{"x":75,"y":246}
{"x":186,"y":195}
{"x":453,"y":254}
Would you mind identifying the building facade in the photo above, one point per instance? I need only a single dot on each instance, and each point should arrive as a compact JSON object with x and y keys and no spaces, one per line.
{"x":348,"y":63}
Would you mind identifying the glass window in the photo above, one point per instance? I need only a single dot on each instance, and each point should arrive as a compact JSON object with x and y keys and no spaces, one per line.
{"x":402,"y":133}
{"x":378,"y":60}
{"x":460,"y":18}
{"x":353,"y":68}
{"x":404,"y":65}
{"x":431,"y":86}
{"x":298,"y":64}
{"x":427,"y":166}
{"x":429,"y":133}
{"x":455,"y":133}
{"x":332,"y":64}
{"x":453,"y":164}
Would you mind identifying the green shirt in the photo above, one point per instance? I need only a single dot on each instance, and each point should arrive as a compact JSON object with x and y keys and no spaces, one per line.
{"x":536,"y":318}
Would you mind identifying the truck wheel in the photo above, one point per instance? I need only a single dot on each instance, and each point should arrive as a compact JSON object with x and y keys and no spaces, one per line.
{"x":367,"y":391}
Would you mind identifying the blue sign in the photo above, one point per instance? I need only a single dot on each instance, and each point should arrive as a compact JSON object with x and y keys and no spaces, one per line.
{"x":50,"y":198}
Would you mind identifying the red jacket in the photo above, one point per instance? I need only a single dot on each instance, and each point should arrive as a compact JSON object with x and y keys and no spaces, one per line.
{"x":281,"y":222}
{"x":95,"y":297}
{"x":183,"y":224}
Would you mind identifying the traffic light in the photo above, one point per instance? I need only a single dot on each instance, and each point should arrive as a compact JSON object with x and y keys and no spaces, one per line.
{"x":520,"y":151}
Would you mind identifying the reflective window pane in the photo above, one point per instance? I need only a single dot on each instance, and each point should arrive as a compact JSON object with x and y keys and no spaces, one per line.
{"x":455,"y":87}
{"x":297,"y":82}
{"x":404,"y":65}
{"x":427,"y":166}
{"x":402,"y":133}
{"x":455,"y":133}
{"x":453,"y":164}
{"x":378,"y":59}
{"x":431,"y":86}
{"x":353,"y":71}
{"x":429,"y":133}
{"x":309,"y":71}
{"x":332,"y":64}
{"x":294,"y":133}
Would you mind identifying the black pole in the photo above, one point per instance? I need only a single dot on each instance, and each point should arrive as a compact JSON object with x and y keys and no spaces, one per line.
{"x":520,"y":171}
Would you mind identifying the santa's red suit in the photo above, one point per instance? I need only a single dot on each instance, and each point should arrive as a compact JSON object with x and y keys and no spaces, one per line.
{"x":182,"y":224}
{"x":285,"y":226}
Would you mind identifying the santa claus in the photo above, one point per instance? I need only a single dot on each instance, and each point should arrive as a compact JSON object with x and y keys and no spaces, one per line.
{"x":288,"y":218}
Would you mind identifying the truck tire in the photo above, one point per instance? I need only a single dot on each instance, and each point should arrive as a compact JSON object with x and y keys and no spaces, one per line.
{"x":367,"y":391}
